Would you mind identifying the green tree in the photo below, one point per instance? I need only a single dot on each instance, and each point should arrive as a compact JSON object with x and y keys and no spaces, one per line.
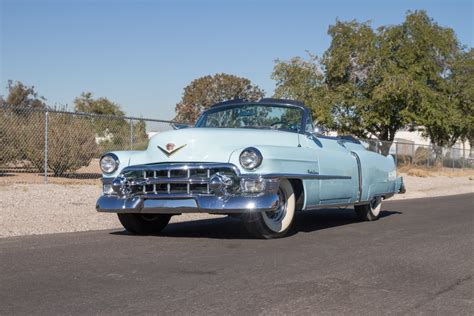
{"x":376,"y":82}
{"x":86,"y":103}
{"x":115,"y":132}
{"x":303,"y":80}
{"x":461,"y":93}
{"x":203,"y":92}
{"x":22,"y":96}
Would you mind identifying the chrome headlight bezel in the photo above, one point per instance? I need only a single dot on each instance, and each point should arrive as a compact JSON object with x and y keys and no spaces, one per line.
{"x":250,"y":158}
{"x":112,"y":161}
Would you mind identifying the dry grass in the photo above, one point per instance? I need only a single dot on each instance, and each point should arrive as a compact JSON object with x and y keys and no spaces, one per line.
{"x":424,"y":172}
{"x":86,"y":175}
{"x":29,"y":178}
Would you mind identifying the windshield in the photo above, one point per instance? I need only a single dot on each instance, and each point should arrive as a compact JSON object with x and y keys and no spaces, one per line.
{"x":253,"y":116}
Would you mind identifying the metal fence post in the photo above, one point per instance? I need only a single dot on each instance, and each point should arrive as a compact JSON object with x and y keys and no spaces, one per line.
{"x":463,"y":157}
{"x":131,"y":134}
{"x":452,"y":158}
{"x":46,"y":120}
{"x":429,"y":154}
{"x":396,"y":154}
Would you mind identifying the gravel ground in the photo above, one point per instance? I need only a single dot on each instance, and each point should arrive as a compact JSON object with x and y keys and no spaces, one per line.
{"x":30,"y":209}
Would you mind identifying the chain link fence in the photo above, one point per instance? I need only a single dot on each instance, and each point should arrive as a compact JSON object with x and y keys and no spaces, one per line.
{"x":50,"y":144}
{"x":424,"y":156}
{"x":68,"y":145}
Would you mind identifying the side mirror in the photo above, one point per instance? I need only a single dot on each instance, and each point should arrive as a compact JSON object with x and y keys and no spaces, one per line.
{"x":318,"y":130}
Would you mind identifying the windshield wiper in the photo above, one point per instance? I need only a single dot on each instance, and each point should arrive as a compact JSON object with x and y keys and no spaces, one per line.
{"x":256,"y":127}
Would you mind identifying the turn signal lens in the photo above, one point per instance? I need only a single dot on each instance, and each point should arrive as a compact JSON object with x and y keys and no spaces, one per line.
{"x":253,"y":186}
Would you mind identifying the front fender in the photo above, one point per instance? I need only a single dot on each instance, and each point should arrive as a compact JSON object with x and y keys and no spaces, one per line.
{"x":124,"y":161}
{"x":279,"y":159}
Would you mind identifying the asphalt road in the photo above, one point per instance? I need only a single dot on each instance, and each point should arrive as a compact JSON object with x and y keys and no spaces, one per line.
{"x":417,"y":259}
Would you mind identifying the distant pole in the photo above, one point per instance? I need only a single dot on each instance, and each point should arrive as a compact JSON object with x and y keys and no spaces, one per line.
{"x":131,"y":134}
{"x":46,"y":120}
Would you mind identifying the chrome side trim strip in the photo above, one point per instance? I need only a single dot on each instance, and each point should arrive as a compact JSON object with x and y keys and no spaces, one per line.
{"x":317,"y":207}
{"x":359,"y":170}
{"x":303,"y":176}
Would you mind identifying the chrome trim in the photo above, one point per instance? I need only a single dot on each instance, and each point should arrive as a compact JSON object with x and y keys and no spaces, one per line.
{"x":181,"y":166}
{"x":197,"y":204}
{"x":107,"y":180}
{"x":304,"y":176}
{"x":359,"y":171}
{"x":149,"y":181}
{"x":316,"y":207}
{"x":266,"y":102}
{"x":144,"y":179}
{"x":128,"y":200}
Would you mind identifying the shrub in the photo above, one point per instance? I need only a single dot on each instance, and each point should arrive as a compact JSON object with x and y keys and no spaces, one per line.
{"x":7,"y":151}
{"x":422,"y":154}
{"x":71,"y":142}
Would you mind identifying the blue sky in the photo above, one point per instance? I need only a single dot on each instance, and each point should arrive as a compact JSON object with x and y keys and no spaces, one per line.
{"x":141,"y":54}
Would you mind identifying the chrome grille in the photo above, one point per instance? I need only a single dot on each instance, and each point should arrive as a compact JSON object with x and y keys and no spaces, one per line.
{"x":174,"y":179}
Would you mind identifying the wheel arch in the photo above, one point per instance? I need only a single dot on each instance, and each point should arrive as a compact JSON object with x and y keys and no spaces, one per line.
{"x":298,"y":189}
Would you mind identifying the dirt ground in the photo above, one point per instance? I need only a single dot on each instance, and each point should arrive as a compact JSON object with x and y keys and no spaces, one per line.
{"x":29,"y":207}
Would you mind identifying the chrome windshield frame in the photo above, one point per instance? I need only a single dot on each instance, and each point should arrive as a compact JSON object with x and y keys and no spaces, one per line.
{"x":278,"y":103}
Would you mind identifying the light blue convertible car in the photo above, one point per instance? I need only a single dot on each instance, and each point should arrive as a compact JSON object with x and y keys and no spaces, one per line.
{"x":260,"y":161}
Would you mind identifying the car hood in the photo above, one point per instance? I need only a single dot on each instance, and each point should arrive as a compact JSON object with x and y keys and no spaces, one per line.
{"x":209,"y":144}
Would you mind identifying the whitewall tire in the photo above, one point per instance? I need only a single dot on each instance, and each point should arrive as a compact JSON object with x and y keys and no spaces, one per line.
{"x":371,"y":211}
{"x":274,"y":224}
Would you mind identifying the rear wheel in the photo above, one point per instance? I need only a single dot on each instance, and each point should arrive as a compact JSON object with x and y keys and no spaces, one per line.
{"x":277,"y":223}
{"x":371,"y":211}
{"x":144,"y":224}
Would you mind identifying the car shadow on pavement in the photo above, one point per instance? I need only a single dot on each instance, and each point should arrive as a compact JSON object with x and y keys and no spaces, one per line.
{"x":329,"y":218}
{"x":233,"y":228}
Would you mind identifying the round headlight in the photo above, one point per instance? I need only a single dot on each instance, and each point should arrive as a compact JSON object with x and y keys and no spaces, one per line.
{"x":250,"y":158}
{"x":109,"y":163}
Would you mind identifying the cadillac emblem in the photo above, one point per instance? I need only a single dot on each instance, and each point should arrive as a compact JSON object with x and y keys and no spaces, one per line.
{"x":170,"y":148}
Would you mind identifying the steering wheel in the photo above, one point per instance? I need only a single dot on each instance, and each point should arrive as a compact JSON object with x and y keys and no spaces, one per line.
{"x":283,"y":123}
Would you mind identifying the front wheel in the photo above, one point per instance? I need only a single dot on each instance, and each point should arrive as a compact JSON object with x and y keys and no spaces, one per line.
{"x":277,"y":223}
{"x":371,"y":211}
{"x":144,"y":224}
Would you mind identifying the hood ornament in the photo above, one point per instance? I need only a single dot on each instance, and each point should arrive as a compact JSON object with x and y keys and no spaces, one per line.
{"x":170,"y":149}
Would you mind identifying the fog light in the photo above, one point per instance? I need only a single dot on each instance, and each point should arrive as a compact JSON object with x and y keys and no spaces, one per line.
{"x":253,"y":186}
{"x":107,"y":189}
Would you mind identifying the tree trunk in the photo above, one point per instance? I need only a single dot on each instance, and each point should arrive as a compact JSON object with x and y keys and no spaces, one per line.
{"x":438,"y":150}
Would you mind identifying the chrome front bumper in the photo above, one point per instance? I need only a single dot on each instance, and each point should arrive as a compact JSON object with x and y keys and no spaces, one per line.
{"x":197,"y":204}
{"x":177,"y":188}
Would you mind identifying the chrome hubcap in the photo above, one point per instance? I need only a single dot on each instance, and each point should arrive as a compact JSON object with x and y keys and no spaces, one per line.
{"x":280,"y":212}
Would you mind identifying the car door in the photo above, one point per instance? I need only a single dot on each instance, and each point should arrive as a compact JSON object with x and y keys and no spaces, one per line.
{"x":338,"y":171}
